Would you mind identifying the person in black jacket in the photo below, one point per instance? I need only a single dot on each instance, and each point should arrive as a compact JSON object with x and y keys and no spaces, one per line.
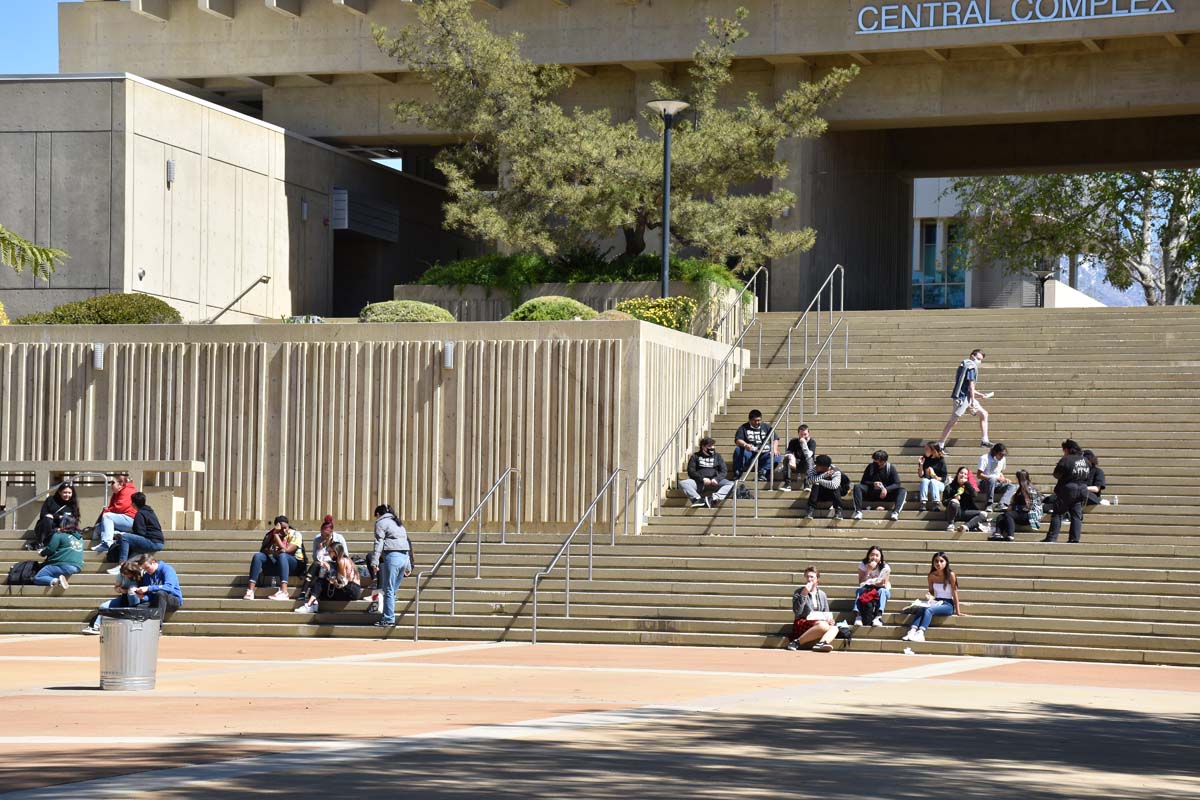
{"x":1070,"y":493}
{"x":880,"y":481}
{"x":706,"y":481}
{"x":1096,"y":481}
{"x":61,"y":503}
{"x":799,"y":458}
{"x":961,"y":508}
{"x":146,"y":536}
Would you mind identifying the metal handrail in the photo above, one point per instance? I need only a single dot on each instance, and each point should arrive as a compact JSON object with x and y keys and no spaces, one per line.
{"x":784,"y":409}
{"x":837,"y":271}
{"x":687,"y":417}
{"x":737,"y":302}
{"x":263,"y":279}
{"x":452,"y":548}
{"x":589,"y":516}
{"x":4,"y":512}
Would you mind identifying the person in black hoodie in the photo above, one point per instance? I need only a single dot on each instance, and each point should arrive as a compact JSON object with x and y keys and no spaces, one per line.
{"x":880,"y":481}
{"x":1096,"y":481}
{"x":706,"y":482}
{"x":61,"y":503}
{"x":961,"y":508}
{"x":1073,"y":472}
{"x":146,"y":536}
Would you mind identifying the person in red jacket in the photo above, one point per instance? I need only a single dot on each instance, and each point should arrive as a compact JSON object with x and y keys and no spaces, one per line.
{"x":119,"y":513}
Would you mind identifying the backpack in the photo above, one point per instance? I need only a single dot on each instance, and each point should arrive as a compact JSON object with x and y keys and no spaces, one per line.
{"x":868,"y":605}
{"x":743,"y":493}
{"x":844,"y":486}
{"x":22,"y":572}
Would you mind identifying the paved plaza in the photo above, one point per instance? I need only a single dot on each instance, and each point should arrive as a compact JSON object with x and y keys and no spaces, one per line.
{"x":255,"y":718}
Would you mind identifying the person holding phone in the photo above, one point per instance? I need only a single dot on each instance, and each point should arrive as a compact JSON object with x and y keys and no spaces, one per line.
{"x":281,"y":553}
{"x":813,"y":622}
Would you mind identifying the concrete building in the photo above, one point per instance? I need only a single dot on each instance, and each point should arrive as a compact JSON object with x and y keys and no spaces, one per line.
{"x":156,"y":191}
{"x":946,"y":88}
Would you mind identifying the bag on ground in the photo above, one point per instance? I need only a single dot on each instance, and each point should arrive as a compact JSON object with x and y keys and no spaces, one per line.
{"x":22,"y":572}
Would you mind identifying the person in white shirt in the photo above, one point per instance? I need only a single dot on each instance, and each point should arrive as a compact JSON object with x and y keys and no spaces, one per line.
{"x":991,"y":476}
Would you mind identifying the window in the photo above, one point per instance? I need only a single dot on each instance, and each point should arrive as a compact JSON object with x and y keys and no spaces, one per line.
{"x":939,"y":278}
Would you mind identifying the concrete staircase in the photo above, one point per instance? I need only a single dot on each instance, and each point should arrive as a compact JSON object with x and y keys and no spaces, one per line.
{"x":1122,"y":382}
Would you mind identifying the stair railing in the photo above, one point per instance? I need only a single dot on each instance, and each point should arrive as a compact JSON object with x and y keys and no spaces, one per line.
{"x":589,"y":516}
{"x":506,"y":478}
{"x":739,"y":304}
{"x":839,"y":286}
{"x":814,"y":370}
{"x":11,"y":512}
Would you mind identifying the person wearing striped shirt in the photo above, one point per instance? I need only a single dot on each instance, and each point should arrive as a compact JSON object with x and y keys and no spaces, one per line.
{"x":826,"y":482}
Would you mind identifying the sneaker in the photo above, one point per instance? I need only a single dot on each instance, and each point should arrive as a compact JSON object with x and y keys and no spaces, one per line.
{"x":62,"y":582}
{"x":877,"y":622}
{"x":808,"y":516}
{"x":701,"y":503}
{"x":984,"y":443}
{"x":895,"y":515}
{"x":280,"y":595}
{"x":822,"y":647}
{"x":996,"y":537}
{"x":950,"y":528}
{"x":918,"y":636}
{"x":793,"y":645}
{"x":708,"y":501}
{"x":785,"y":487}
{"x":934,"y":506}
{"x":985,"y":528}
{"x":249,"y":595}
{"x":1001,"y":508}
{"x":1010,"y":538}
{"x":987,"y":507}
{"x":100,"y":548}
{"x":382,"y":624}
{"x":375,"y":607}
{"x":857,"y":515}
{"x":858,"y":622}
{"x":91,"y":631}
{"x":908,"y":637}
{"x":307,"y":608}
{"x":114,"y":571}
{"x":921,"y":506}
{"x":837,"y":514}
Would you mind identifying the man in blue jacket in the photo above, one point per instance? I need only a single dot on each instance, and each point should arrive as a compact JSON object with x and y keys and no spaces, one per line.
{"x":158,"y":586}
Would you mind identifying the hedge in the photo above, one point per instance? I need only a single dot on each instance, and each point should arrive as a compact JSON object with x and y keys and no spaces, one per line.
{"x":551,"y":307}
{"x":3,"y":316}
{"x":613,"y":314}
{"x":671,"y":312}
{"x":107,"y":309}
{"x":404,"y":311}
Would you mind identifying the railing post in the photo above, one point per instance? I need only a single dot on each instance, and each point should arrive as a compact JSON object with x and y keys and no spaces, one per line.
{"x":519,"y":504}
{"x":533,"y":633}
{"x":591,"y":538}
{"x":453,"y":576}
{"x":568,"y":614}
{"x":504,"y":507}
{"x":417,"y":609}
{"x":478,"y":542}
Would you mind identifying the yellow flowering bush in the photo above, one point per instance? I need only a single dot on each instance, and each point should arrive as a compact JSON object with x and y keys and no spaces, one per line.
{"x":670,"y":312}
{"x":3,"y":316}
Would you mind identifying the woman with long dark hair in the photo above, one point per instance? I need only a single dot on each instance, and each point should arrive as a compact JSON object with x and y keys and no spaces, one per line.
{"x":943,"y":585}
{"x":390,"y":560}
{"x":962,"y":513}
{"x":1025,"y":509}
{"x":1096,"y":481}
{"x":62,"y":503}
{"x":875,"y":583}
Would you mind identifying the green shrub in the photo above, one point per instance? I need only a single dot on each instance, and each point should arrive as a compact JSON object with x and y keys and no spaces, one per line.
{"x":3,"y":316}
{"x":613,"y":314}
{"x":404,"y":311}
{"x":107,"y":309}
{"x":670,"y":312}
{"x":550,"y":307}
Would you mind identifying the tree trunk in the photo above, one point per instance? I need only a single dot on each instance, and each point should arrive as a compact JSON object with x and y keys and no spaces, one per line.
{"x":1174,"y":237}
{"x":1073,"y":275}
{"x":635,"y":239}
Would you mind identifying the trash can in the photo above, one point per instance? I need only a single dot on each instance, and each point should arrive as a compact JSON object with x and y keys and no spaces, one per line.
{"x":129,"y":647}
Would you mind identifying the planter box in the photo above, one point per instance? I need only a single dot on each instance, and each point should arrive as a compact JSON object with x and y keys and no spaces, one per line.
{"x":484,"y":304}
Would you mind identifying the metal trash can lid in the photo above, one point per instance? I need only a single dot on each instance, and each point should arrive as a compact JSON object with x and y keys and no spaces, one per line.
{"x":138,"y":613}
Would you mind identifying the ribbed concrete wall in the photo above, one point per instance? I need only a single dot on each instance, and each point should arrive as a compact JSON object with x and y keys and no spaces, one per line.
{"x":309,"y":420}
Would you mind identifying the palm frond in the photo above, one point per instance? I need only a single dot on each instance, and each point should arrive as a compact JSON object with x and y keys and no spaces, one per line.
{"x":22,"y":254}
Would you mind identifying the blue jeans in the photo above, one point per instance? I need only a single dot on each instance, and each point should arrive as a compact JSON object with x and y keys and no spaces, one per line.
{"x":743,"y":457}
{"x":46,"y":575}
{"x":942,"y":608}
{"x":391,"y":570}
{"x":283,"y":565}
{"x":137,"y":544}
{"x":110,"y":523}
{"x":884,"y":595}
{"x":931,"y":489}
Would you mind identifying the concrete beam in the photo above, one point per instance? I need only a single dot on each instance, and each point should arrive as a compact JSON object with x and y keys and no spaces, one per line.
{"x":644,"y":66}
{"x":562,"y":3}
{"x":862,"y":59}
{"x":157,"y":10}
{"x":1014,"y":50}
{"x":260,"y":80}
{"x":785,"y":59}
{"x":494,"y":5}
{"x":222,"y":9}
{"x":288,"y":8}
{"x":937,"y":55}
{"x":324,"y":80}
{"x":1093,"y":45}
{"x":353,"y":6}
{"x":387,"y":77}
{"x":583,"y":72}
{"x":1177,"y":40}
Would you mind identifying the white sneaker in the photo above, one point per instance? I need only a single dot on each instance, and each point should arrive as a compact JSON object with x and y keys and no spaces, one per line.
{"x":307,"y":608}
{"x":249,"y":595}
{"x":951,"y":527}
{"x":857,"y":515}
{"x":918,"y":636}
{"x":114,"y":571}
{"x":858,"y":622}
{"x":908,"y":637}
{"x":985,"y":528}
{"x":90,"y":631}
{"x":280,"y":595}
{"x":877,"y":622}
{"x":62,"y":582}
{"x":895,"y":515}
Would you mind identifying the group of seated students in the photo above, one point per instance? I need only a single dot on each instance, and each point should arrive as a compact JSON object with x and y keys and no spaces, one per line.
{"x":966,"y":499}
{"x":814,"y":623}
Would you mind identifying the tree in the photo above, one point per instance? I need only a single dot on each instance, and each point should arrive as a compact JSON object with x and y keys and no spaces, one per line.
{"x":565,"y":178}
{"x":21,"y":254}
{"x":1142,"y":227}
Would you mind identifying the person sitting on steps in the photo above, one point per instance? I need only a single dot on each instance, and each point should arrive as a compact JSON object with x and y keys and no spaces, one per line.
{"x":118,"y":514}
{"x":932,"y":469}
{"x":749,"y":437}
{"x":813,"y":622}
{"x":880,"y":481}
{"x":64,"y":555}
{"x":1096,"y":481}
{"x":873,"y":573}
{"x":341,"y":582}
{"x":706,"y":481}
{"x":322,"y":553}
{"x":1025,"y":509}
{"x":943,"y":585}
{"x":966,"y":398}
{"x":145,"y":537}
{"x":62,"y":503}
{"x":798,"y":460}
{"x":157,"y":585}
{"x":281,"y":553}
{"x":827,"y":485}
{"x":991,"y":476}
{"x":962,"y":512}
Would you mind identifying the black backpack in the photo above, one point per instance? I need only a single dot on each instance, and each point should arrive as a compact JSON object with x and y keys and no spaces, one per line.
{"x":845,"y":485}
{"x":22,"y":572}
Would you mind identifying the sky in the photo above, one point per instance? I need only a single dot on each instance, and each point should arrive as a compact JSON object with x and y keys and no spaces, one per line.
{"x":29,"y":37}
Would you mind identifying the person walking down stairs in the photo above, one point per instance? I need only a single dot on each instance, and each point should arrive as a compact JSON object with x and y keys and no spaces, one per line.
{"x":966,"y":398}
{"x":391,"y":560}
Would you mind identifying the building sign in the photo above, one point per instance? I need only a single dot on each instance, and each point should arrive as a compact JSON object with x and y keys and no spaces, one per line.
{"x":941,"y":15}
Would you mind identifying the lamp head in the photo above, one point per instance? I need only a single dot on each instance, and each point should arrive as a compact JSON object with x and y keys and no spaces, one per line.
{"x":667,"y":108}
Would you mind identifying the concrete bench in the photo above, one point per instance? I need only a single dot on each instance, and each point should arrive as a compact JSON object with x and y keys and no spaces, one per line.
{"x":35,"y":477}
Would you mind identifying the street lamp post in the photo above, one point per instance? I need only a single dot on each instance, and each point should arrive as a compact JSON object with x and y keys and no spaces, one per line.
{"x":667,"y":109}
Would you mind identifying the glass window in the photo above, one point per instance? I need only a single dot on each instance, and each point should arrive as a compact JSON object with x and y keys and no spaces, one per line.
{"x":929,"y":253}
{"x":956,"y":267}
{"x":916,"y":296}
{"x":935,"y":296}
{"x":956,"y":295}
